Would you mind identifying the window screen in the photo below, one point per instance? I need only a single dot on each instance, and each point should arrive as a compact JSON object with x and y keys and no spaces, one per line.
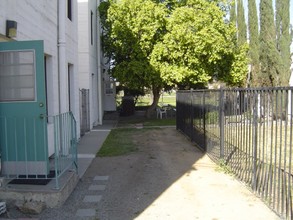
{"x":17,"y":76}
{"x":109,"y":88}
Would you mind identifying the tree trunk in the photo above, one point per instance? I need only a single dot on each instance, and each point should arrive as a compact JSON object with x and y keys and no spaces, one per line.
{"x":156,"y":98}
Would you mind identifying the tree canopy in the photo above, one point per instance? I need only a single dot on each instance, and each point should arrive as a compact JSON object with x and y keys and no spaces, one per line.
{"x":154,"y":44}
{"x":198,"y":46}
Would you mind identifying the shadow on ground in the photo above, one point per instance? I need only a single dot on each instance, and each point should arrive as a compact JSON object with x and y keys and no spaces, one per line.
{"x":137,"y":180}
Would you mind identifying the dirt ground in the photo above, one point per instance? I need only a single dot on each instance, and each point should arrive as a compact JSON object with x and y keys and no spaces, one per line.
{"x":169,"y":178}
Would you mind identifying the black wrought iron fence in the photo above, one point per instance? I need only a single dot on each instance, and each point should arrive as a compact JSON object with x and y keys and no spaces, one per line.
{"x":250,"y":131}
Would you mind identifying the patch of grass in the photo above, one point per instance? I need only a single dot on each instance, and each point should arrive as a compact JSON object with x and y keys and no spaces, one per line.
{"x":160,"y":122}
{"x":168,"y":99}
{"x":223,"y":167}
{"x":165,"y":99}
{"x":143,"y":101}
{"x":149,"y":122}
{"x":119,"y":142}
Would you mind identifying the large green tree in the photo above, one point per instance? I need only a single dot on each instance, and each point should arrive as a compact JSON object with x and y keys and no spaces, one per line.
{"x":133,"y":27}
{"x":198,"y":46}
{"x":155,"y":44}
{"x":253,"y":43}
{"x":283,"y":39}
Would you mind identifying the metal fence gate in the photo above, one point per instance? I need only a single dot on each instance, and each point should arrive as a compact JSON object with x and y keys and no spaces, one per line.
{"x":84,"y":101}
{"x":248,"y":130}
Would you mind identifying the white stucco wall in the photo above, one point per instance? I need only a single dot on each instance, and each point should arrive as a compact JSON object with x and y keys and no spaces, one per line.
{"x":38,"y":20}
{"x":72,"y":59}
{"x":88,"y":55}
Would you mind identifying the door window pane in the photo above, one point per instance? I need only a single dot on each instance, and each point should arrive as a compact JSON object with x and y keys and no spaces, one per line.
{"x":17,"y":76}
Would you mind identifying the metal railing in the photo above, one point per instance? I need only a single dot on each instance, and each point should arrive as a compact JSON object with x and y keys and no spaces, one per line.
{"x":24,"y":144}
{"x":65,"y":144}
{"x":248,"y":130}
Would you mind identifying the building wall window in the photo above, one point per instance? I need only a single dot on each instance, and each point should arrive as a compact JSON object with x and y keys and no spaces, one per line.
{"x":69,"y":10}
{"x":109,"y":88}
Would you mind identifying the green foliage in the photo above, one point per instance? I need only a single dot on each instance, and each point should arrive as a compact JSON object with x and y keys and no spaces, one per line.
{"x":224,"y":167}
{"x":135,"y":28}
{"x":269,"y":56}
{"x":283,"y":39}
{"x":233,"y":13}
{"x":253,"y":43}
{"x":241,"y":25}
{"x":212,"y":117}
{"x":198,"y":46}
{"x":153,"y":44}
{"x":165,"y":99}
{"x":118,"y":142}
{"x":239,"y":66}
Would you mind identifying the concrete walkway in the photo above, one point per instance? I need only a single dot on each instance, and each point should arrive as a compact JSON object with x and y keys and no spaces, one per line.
{"x":168,"y":178}
{"x":90,"y":144}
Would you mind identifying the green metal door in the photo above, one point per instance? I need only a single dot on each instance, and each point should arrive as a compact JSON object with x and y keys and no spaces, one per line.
{"x":23,"y":122}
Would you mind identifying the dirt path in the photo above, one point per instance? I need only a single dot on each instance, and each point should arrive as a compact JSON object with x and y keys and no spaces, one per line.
{"x":168,"y":178}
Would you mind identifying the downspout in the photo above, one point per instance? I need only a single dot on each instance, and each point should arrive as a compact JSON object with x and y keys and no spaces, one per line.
{"x":62,"y":55}
{"x":100,"y":86}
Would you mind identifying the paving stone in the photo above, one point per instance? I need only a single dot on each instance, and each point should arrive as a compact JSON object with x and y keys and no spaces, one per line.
{"x":92,"y":198}
{"x":103,"y":178}
{"x":86,"y":212}
{"x":97,"y":187}
{"x":86,"y":156}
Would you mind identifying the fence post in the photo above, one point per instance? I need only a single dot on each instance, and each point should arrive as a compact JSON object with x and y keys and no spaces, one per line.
{"x":221,"y":122}
{"x":254,"y":140}
{"x":191,"y":115}
{"x":204,"y":121}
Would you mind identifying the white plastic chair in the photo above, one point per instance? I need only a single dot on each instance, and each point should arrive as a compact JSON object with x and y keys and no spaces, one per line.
{"x":161,"y":112}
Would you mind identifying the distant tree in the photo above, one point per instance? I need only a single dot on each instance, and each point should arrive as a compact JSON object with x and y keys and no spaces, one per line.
{"x":269,"y":56}
{"x":242,"y":30}
{"x":233,"y":12}
{"x":241,"y":24}
{"x":283,"y":39}
{"x":135,"y":93}
{"x":253,"y":44}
